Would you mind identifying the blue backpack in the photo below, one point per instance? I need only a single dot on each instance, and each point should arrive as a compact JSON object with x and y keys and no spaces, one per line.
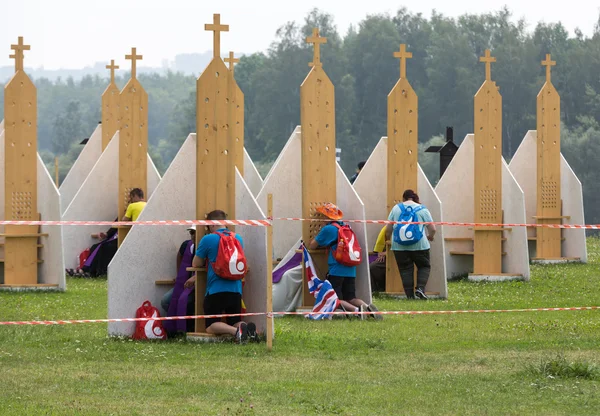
{"x":408,"y":234}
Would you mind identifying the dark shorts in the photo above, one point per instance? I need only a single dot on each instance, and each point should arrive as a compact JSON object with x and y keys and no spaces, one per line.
{"x":345,"y":287}
{"x":223,"y":303}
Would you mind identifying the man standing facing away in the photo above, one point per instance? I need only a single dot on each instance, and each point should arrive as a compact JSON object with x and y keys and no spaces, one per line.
{"x":360,"y":166}
{"x":136,"y":205}
{"x":408,"y":250}
{"x":222,"y":296}
{"x":341,"y":277}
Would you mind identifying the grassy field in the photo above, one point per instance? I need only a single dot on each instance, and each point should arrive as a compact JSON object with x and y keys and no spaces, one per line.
{"x":492,"y":364}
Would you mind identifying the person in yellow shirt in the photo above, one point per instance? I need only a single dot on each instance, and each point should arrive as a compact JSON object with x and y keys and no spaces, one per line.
{"x":377,"y":266}
{"x":136,"y":205}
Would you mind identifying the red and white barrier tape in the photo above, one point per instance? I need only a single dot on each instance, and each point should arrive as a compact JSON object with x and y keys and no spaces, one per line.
{"x":270,"y":314}
{"x":453,"y":224}
{"x":268,"y":222}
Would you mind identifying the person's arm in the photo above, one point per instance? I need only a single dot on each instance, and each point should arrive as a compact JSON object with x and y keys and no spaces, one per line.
{"x":430,"y":227}
{"x":198,"y":262}
{"x":202,"y":251}
{"x":325,"y":238}
{"x":313,"y":245}
{"x":390,"y":227}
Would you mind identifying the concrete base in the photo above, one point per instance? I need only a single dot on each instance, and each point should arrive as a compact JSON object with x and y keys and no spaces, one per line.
{"x":31,"y":288}
{"x":495,"y":278}
{"x":202,"y":337}
{"x":563,"y":260}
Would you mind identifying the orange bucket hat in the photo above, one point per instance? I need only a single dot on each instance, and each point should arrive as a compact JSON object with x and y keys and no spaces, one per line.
{"x":330,"y":211}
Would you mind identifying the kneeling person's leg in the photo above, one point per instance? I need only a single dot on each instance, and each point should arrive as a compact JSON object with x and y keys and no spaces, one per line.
{"x":216,"y":304}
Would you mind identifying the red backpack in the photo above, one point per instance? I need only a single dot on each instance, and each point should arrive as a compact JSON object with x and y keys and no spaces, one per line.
{"x":149,"y":329}
{"x":348,"y":251}
{"x":231,"y":260}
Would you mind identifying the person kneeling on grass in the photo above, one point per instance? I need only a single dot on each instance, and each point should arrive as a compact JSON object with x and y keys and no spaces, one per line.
{"x":341,"y":277}
{"x":222,"y":296}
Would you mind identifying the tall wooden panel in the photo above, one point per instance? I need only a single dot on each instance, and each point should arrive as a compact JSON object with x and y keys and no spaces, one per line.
{"x":236,"y":113}
{"x":317,"y":115}
{"x":110,"y":107}
{"x":133,"y":140}
{"x":215,"y":163}
{"x":548,"y":168}
{"x":402,"y":162}
{"x":20,"y":174}
{"x":488,"y":174}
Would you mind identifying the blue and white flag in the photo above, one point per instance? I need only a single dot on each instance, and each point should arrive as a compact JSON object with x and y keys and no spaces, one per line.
{"x":326,"y":298}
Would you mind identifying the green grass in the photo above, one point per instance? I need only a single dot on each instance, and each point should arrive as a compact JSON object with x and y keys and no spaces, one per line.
{"x":493,"y":364}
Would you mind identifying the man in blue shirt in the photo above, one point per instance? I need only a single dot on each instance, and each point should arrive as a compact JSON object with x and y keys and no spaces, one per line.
{"x":341,"y":277}
{"x":412,"y":255}
{"x":222,"y":296}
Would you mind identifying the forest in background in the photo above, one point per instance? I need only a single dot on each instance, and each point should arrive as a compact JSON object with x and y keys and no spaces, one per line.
{"x":444,"y":71}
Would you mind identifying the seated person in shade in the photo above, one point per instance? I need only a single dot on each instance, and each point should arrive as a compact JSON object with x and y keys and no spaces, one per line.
{"x":222,"y":296}
{"x":377,"y":267}
{"x":136,"y":205}
{"x":99,"y":256}
{"x":180,"y":301}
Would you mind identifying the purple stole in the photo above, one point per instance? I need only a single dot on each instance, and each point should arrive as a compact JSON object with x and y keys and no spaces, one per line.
{"x":179,"y":300}
{"x":90,"y":259}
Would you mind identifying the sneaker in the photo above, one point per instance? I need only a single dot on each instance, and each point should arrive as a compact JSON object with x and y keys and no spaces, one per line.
{"x":252,"y":335}
{"x":420,"y":294}
{"x":373,"y":308}
{"x":241,"y":335}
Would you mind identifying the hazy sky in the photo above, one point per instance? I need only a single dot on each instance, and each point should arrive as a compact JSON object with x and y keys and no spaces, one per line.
{"x":76,"y":33}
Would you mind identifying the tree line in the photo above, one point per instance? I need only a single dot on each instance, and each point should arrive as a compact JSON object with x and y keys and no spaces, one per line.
{"x":444,"y":71}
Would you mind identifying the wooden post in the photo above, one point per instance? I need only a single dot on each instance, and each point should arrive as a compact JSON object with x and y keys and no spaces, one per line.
{"x":402,"y":152}
{"x":488,"y":174}
{"x":270,"y":275}
{"x":215,"y":165}
{"x":317,"y":114}
{"x":133,"y":140}
{"x":110,"y":107}
{"x":20,"y":175}
{"x":56,"y":171}
{"x":548,"y":208}
{"x":236,"y":113}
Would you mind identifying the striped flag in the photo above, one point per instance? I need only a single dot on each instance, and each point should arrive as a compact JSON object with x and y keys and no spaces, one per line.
{"x":326,"y":299}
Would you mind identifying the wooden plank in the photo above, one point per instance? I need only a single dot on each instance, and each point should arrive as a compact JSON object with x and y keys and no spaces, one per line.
{"x":236,"y":114}
{"x":269,"y":276}
{"x":317,"y":115}
{"x":110,"y":107}
{"x":488,"y":174}
{"x":133,"y":141}
{"x":39,"y":261}
{"x":464,"y":239}
{"x":20,"y":177}
{"x":555,"y":258}
{"x":38,"y":246}
{"x":167,"y":282}
{"x":33,"y":235}
{"x":548,"y":202}
{"x":29,"y":285}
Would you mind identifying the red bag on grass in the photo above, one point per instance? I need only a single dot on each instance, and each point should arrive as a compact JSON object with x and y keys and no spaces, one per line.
{"x":83,"y":257}
{"x":149,"y":329}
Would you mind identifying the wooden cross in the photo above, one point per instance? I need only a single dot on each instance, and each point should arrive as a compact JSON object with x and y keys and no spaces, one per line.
{"x":19,"y":56}
{"x":112,"y":68}
{"x":133,"y":58}
{"x":316,"y":40}
{"x":403,"y":56}
{"x":232,"y":61}
{"x":548,"y":63}
{"x":216,"y":27}
{"x":488,"y":59}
